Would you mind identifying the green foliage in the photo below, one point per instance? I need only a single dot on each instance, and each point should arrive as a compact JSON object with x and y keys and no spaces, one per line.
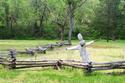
{"x":109,"y":19}
{"x":42,"y":18}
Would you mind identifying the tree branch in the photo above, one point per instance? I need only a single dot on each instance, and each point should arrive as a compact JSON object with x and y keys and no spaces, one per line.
{"x":81,"y":3}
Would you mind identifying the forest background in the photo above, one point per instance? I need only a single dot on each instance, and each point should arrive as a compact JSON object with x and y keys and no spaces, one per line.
{"x":62,"y":19}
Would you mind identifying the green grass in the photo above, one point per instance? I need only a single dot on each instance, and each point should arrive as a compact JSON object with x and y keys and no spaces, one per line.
{"x":22,"y":44}
{"x":54,"y":76}
{"x":100,"y":51}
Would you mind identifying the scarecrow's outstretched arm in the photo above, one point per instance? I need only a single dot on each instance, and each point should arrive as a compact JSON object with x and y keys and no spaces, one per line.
{"x":73,"y":48}
{"x":88,"y":43}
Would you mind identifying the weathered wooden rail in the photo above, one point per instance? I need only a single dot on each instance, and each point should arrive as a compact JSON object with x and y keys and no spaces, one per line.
{"x":12,"y":63}
{"x":41,"y":49}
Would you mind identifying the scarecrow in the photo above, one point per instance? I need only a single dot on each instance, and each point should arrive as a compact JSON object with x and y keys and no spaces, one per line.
{"x":82,"y":49}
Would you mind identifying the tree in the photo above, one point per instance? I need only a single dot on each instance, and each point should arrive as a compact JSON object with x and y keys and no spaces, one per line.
{"x":59,"y":17}
{"x":72,"y":6}
{"x":7,"y":19}
{"x":40,"y":12}
{"x":106,"y":20}
{"x":42,"y":18}
{"x":14,"y":15}
{"x":2,"y":14}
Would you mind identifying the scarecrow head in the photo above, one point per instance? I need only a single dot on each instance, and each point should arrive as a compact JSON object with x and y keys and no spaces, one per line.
{"x":80,"y":38}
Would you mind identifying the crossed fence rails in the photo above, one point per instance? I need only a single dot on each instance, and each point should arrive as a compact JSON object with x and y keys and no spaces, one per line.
{"x":12,"y":63}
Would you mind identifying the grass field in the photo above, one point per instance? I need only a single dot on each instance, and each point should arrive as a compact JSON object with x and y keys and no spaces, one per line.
{"x":100,"y":51}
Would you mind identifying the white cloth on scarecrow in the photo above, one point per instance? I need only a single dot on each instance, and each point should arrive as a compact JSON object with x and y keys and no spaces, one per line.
{"x":82,"y":49}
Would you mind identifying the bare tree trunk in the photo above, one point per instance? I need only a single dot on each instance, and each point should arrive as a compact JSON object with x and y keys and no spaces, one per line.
{"x":108,"y":21}
{"x":36,"y":27}
{"x":41,"y":27}
{"x":62,"y":33}
{"x":41,"y":22}
{"x":7,"y":24}
{"x":11,"y":27}
{"x":71,"y":21}
{"x":113,"y":36}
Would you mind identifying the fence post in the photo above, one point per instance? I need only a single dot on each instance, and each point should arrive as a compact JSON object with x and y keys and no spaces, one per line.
{"x":51,"y":47}
{"x":44,"y":52}
{"x":12,"y":54}
{"x":58,"y":65}
{"x":89,"y":68}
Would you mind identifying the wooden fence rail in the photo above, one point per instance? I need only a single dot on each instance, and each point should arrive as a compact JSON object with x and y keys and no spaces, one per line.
{"x":38,"y":49}
{"x":58,"y":64}
{"x":12,"y":63}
